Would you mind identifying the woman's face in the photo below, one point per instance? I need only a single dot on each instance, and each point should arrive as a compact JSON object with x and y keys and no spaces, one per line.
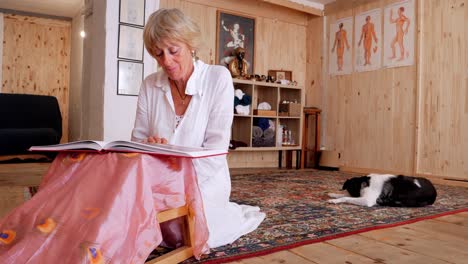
{"x":175,"y":58}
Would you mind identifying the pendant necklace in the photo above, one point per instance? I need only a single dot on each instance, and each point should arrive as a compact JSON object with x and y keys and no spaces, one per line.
{"x":180,"y":94}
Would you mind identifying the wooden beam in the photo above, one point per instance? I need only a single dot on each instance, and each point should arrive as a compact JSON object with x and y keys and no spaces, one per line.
{"x":258,"y":9}
{"x":340,"y":5}
{"x":172,"y":214}
{"x":296,"y":6}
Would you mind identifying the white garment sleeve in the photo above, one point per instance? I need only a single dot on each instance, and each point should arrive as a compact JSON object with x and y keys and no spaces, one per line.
{"x":218,"y":131}
{"x":141,"y":127}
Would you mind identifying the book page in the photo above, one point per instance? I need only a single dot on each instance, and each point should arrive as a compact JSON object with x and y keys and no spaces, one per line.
{"x":162,"y":149}
{"x":83,"y":144}
{"x":130,"y":146}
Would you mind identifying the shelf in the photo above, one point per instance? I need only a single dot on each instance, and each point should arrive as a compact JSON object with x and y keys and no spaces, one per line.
{"x":260,"y":83}
{"x":258,"y":133}
{"x":289,"y":117}
{"x":240,"y":149}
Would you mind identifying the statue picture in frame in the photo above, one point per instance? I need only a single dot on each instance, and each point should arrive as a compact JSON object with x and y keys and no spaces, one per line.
{"x":234,"y":31}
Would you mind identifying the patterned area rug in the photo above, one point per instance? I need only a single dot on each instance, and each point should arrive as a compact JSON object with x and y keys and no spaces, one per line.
{"x":298,"y":214}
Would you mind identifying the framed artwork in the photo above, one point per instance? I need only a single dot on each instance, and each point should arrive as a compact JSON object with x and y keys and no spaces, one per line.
{"x":130,"y":43}
{"x":340,"y":52}
{"x":129,"y":77}
{"x":132,"y":12}
{"x":368,"y":40}
{"x":280,"y":74}
{"x":399,"y":34}
{"x":235,"y":31}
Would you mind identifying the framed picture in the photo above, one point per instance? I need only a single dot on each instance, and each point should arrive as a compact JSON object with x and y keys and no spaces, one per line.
{"x":340,"y":52}
{"x":281,"y":74}
{"x":399,"y":34}
{"x":132,"y":12}
{"x":129,"y":77}
{"x":235,"y":31}
{"x":130,"y":43}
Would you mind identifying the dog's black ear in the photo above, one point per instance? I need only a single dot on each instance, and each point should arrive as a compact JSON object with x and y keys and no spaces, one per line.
{"x":346,"y":184}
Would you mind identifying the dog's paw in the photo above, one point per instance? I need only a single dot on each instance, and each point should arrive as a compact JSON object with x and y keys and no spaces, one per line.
{"x":334,"y":201}
{"x":336,"y":195}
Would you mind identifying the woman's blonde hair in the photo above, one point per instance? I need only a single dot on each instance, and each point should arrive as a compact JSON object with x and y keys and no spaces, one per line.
{"x":170,"y":25}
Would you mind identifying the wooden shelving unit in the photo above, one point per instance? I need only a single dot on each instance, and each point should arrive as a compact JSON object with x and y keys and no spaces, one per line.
{"x":272,"y":93}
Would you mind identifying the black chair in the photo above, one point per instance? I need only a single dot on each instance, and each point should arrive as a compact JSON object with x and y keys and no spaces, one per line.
{"x":27,"y":120}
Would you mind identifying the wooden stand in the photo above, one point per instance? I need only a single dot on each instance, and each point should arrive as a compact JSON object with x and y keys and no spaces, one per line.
{"x":182,"y":253}
{"x":307,"y":112}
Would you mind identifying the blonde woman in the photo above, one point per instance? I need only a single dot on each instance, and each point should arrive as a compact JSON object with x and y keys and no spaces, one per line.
{"x":191,"y":103}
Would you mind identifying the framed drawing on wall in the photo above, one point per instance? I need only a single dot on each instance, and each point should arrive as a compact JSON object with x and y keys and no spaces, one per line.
{"x":132,"y":12}
{"x":129,"y":77}
{"x":235,"y":31}
{"x":130,"y":43}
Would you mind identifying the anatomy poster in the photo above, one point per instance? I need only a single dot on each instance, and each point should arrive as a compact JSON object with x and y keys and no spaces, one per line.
{"x":340,"y":52}
{"x":368,"y":40}
{"x":399,"y":25}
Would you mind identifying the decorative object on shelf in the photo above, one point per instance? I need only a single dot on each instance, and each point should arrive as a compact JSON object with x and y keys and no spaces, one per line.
{"x":242,"y":102}
{"x":235,"y":31}
{"x":281,"y":75}
{"x":263,"y":133}
{"x":239,"y":66}
{"x":289,"y":109}
{"x":132,"y":12}
{"x":233,"y":144}
{"x":271,"y":79}
{"x":264,"y":109}
{"x":129,"y":77}
{"x":130,"y":43}
{"x":264,"y":106}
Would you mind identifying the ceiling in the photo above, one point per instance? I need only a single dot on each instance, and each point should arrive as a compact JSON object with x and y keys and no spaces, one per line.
{"x":70,"y":8}
{"x":63,"y":8}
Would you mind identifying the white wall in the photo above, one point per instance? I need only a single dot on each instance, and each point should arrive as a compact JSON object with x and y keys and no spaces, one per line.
{"x":119,"y":110}
{"x":106,"y":115}
{"x":92,"y":92}
{"x":76,"y":70}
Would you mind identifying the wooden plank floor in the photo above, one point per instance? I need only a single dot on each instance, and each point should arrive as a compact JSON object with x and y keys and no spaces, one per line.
{"x":438,"y":240}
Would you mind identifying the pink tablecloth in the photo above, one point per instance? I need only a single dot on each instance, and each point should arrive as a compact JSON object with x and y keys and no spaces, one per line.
{"x":101,"y":208}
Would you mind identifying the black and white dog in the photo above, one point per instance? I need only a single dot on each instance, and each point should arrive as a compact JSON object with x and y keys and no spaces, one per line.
{"x":387,"y":190}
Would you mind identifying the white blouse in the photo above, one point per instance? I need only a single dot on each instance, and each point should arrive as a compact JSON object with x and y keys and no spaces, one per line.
{"x":206,"y":123}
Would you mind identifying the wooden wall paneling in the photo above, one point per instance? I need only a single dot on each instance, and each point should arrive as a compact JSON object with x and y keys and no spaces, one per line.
{"x":280,"y":38}
{"x":36,"y":58}
{"x":370,"y":116}
{"x":257,"y":9}
{"x":443,"y":114}
{"x":464,"y":121}
{"x":296,"y":6}
{"x":280,"y":43}
{"x":336,"y":97}
{"x":252,"y":159}
{"x":204,"y":16}
{"x":314,"y":62}
{"x":340,"y":5}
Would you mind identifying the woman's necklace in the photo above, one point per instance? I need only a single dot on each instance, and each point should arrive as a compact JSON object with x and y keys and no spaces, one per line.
{"x":180,"y":94}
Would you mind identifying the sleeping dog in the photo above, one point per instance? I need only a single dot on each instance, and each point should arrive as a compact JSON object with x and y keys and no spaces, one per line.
{"x":387,"y":190}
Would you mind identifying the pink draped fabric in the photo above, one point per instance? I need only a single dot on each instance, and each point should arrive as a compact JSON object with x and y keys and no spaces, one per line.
{"x":101,"y":208}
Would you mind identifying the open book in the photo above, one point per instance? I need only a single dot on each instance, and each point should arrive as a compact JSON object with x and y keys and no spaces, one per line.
{"x":130,"y":146}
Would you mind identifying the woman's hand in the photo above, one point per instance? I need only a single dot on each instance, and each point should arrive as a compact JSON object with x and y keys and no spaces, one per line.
{"x":156,"y":140}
